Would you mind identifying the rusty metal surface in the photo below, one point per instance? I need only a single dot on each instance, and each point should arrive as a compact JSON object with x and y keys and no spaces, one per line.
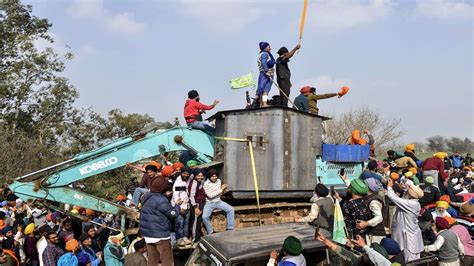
{"x":285,"y":159}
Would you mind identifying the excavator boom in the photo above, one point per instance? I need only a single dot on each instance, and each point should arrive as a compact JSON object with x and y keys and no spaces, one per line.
{"x":52,"y":183}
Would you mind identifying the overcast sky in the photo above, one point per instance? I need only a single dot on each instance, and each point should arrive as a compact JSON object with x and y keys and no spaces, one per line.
{"x":406,"y":59}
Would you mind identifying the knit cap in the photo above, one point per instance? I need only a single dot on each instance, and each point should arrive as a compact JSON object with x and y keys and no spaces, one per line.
{"x":292,"y":246}
{"x":159,"y":185}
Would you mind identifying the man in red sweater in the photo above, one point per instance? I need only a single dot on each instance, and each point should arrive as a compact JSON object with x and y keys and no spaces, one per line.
{"x":434,"y":166}
{"x":193,"y":110}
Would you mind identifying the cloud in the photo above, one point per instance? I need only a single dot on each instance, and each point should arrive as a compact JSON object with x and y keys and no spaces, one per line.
{"x":224,"y":15}
{"x":87,"y":50}
{"x":95,"y":10}
{"x":324,"y":82}
{"x":59,"y":46}
{"x":445,"y":9}
{"x":335,"y":15}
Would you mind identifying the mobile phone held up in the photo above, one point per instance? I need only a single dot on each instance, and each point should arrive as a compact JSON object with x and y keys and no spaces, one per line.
{"x":342,"y":172}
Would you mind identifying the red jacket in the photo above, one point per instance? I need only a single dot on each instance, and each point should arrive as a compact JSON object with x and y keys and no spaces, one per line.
{"x":435,"y":163}
{"x":191,"y":109}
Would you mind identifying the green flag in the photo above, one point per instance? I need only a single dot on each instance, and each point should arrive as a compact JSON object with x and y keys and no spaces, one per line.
{"x":242,"y":82}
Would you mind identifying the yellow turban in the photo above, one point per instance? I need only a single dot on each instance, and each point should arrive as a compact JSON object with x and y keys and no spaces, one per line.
{"x":410,"y":147}
{"x":442,"y":204}
{"x":29,"y":229}
{"x":75,"y":211}
{"x":441,"y":155}
{"x":408,"y":174}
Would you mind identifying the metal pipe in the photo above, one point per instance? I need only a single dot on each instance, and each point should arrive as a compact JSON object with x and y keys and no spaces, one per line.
{"x":45,"y":169}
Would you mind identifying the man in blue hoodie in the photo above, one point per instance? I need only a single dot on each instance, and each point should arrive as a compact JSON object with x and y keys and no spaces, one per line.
{"x":156,"y":217}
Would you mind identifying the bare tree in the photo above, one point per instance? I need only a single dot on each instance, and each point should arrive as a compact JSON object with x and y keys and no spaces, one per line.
{"x":385,"y":131}
{"x":437,"y":143}
{"x":456,"y":144}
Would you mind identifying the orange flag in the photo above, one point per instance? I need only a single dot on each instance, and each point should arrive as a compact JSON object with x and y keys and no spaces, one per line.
{"x":303,"y":18}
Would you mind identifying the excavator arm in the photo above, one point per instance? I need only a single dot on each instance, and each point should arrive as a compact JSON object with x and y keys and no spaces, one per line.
{"x":52,"y":183}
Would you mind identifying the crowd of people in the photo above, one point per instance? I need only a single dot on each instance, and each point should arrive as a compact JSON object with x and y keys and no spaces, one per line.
{"x":431,"y":213}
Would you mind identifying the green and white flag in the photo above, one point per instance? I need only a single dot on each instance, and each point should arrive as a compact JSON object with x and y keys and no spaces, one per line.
{"x":339,"y":229}
{"x":242,"y":82}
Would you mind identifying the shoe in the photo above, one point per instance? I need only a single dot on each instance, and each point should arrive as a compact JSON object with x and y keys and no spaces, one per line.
{"x":187,"y":241}
{"x":181,"y":242}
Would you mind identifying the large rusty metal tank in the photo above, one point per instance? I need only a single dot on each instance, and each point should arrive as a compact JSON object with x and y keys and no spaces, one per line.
{"x":286,"y":143}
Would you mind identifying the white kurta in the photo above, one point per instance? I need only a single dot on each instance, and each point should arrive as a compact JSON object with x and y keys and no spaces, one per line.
{"x":405,"y":229}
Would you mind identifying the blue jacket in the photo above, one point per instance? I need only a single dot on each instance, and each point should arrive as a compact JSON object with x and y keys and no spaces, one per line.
{"x":157,"y":215}
{"x":301,"y":102}
{"x":113,"y":255}
{"x":68,"y":259}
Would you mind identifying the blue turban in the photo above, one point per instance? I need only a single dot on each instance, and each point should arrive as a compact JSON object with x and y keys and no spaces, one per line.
{"x":6,"y":229}
{"x":373,"y":184}
{"x":452,"y":212}
{"x":83,"y":259}
{"x":391,"y":246}
{"x":263,"y":45}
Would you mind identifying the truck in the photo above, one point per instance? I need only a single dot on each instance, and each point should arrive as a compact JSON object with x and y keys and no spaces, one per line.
{"x":271,"y":158}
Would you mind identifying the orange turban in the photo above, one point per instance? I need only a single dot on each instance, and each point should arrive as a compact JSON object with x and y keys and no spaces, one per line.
{"x":72,"y":245}
{"x":445,"y":198}
{"x":305,"y":89}
{"x":394,"y":176}
{"x":155,"y":163}
{"x":167,"y":170}
{"x":178,"y":165}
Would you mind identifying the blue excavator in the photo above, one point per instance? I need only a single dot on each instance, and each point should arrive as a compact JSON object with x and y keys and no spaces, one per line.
{"x":282,"y":171}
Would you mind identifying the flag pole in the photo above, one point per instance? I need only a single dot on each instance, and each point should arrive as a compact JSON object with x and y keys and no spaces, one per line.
{"x":284,"y":94}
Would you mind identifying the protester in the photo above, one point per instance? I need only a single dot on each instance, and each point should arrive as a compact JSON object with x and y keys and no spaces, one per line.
{"x":447,"y":244}
{"x":53,"y":252}
{"x":375,"y":230}
{"x":292,"y":250}
{"x":370,"y":172}
{"x":157,"y":216}
{"x":113,"y":252}
{"x":197,"y":199}
{"x":467,"y":242}
{"x":70,"y":258}
{"x":430,"y":192}
{"x":137,"y":258}
{"x":193,"y":110}
{"x":283,"y":72}
{"x":313,"y":99}
{"x":405,"y":230}
{"x":180,"y":193}
{"x":85,"y":241}
{"x":214,"y":190}
{"x":395,"y":255}
{"x":355,"y":209}
{"x":149,"y":174}
{"x":434,"y":166}
{"x":301,"y":101}
{"x":322,"y":211}
{"x":265,"y":67}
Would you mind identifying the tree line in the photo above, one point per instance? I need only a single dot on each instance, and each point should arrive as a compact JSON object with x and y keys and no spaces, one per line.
{"x":39,"y":124}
